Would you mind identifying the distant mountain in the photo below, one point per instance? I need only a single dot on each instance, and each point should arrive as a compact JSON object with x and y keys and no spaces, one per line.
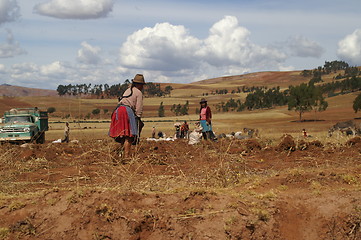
{"x":16,"y":91}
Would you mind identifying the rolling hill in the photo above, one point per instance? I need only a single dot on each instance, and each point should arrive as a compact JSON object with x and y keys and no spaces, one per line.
{"x":17,"y":91}
{"x":277,"y":119}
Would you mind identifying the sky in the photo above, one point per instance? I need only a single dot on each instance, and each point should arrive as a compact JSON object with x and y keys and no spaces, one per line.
{"x":45,"y":43}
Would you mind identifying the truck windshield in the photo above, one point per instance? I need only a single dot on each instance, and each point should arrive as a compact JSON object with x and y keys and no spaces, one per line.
{"x":14,"y":119}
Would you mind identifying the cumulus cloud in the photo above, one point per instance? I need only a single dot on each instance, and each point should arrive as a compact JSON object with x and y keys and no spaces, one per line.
{"x":349,"y":48}
{"x":300,"y":46}
{"x":75,"y":9}
{"x":89,"y":54}
{"x":230,"y":44}
{"x":168,"y":48}
{"x":164,"y":47}
{"x":60,"y":72}
{"x":11,"y":47}
{"x":20,"y":68}
{"x":2,"y":69}
{"x":53,"y":69}
{"x":9,"y":11}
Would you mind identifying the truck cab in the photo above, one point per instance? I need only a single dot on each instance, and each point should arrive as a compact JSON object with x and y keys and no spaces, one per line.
{"x":24,"y":125}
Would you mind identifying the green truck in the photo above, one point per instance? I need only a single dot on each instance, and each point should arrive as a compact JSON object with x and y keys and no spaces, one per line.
{"x":24,"y":125}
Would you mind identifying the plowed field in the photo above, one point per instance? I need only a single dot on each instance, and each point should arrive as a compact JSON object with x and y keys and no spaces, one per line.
{"x":230,"y":189}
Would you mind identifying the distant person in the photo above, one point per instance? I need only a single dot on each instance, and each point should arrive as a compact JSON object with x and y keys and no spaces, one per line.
{"x":66,"y":133}
{"x":160,"y":134}
{"x":126,"y":124}
{"x":205,"y":117}
{"x":304,"y":133}
{"x":153,"y":132}
{"x":184,"y":130}
{"x":177,"y":130}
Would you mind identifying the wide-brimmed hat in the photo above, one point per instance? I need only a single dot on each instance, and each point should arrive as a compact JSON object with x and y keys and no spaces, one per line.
{"x":139,"y":78}
{"x":203,"y":100}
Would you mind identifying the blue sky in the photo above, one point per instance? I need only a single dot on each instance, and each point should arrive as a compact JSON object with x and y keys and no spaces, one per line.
{"x":44,"y":43}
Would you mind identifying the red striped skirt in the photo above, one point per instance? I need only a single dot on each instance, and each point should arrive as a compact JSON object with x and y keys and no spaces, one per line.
{"x":120,"y":124}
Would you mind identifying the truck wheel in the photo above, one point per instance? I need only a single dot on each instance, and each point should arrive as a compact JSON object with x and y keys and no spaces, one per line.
{"x":41,"y":138}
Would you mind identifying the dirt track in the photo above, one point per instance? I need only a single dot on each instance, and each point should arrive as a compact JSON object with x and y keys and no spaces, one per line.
{"x":251,"y":189}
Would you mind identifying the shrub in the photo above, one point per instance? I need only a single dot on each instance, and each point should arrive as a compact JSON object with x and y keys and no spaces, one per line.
{"x":51,"y":109}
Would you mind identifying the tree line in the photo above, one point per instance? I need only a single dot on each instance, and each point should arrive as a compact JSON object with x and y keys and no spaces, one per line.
{"x":315,"y":74}
{"x":110,"y":91}
{"x":304,"y":97}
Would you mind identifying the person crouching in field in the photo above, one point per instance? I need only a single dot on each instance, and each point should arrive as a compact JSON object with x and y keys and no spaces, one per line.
{"x":66,"y":133}
{"x":205,"y":117}
{"x":126,"y":124}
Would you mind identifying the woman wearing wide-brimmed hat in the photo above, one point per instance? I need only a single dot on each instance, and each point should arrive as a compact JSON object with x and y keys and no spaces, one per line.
{"x":205,"y":117}
{"x":126,"y":123}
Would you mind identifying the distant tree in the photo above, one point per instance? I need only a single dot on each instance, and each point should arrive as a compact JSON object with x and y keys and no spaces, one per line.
{"x":231,"y":104}
{"x":153,"y":89}
{"x":357,"y":103}
{"x":96,"y":111}
{"x":51,"y":109}
{"x":105,"y":111}
{"x":179,"y":109}
{"x":319,"y":102}
{"x":62,"y":90}
{"x":161,"y":110}
{"x":304,"y":98}
{"x":300,"y":99}
{"x":240,"y":105}
{"x":168,"y":89}
{"x":184,"y":109}
{"x":316,"y":79}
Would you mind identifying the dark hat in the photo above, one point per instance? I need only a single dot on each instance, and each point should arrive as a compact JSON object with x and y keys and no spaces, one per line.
{"x":139,"y":78}
{"x":203,"y":100}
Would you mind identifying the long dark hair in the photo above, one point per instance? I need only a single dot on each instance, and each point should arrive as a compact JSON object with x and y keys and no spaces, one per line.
{"x":200,"y":109}
{"x":131,"y":93}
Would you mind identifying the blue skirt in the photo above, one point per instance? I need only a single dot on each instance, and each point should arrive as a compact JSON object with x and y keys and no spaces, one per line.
{"x":206,"y":127}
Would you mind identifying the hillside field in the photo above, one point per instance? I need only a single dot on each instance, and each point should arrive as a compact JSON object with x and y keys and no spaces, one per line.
{"x":278,"y":186}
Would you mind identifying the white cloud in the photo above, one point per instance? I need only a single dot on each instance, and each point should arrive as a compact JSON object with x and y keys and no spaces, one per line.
{"x":228,"y":44}
{"x":286,"y":68}
{"x":2,"y":69}
{"x":349,"y":48}
{"x":20,"y":68}
{"x":164,"y":47}
{"x":54,"y":69}
{"x":172,"y":50}
{"x":10,"y":48}
{"x":300,"y":46}
{"x":89,"y":54}
{"x":9,"y":11}
{"x":75,"y":9}
{"x":58,"y":72}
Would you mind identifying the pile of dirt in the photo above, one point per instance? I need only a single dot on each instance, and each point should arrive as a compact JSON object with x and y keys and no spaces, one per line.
{"x":287,"y":144}
{"x":304,"y":145}
{"x":356,"y":141}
